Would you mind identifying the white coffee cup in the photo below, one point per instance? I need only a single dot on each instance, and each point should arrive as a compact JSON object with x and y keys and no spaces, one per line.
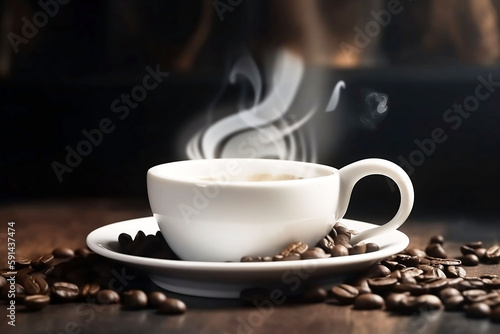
{"x":223,"y":209}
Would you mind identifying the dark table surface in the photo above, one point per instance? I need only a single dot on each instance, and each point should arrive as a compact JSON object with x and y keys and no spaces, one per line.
{"x":42,"y":226}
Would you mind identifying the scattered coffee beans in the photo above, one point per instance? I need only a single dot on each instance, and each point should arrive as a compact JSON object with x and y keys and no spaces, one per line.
{"x":172,"y":306}
{"x":36,"y":302}
{"x":155,"y":298}
{"x":134,"y":299}
{"x":368,"y":301}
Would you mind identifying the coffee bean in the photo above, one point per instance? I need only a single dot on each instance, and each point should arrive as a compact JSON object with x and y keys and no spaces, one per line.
{"x":42,"y":261}
{"x":455,"y":271}
{"x":492,"y":283}
{"x":493,"y":254}
{"x":172,"y":306}
{"x":359,"y":248}
{"x":314,"y":295}
{"x":125,"y":241}
{"x":407,"y":260}
{"x":390,"y":264}
{"x":480,"y":253}
{"x":29,"y":285}
{"x":434,"y":261}
{"x":430,"y":302}
{"x":495,"y":314}
{"x":155,"y":298}
{"x":437,"y":239}
{"x":83,"y":252}
{"x":89,"y":290}
{"x":63,"y":253}
{"x":470,"y":260}
{"x":394,"y":300}
{"x":465,"y":250}
{"x":36,"y":302}
{"x":435,"y":285}
{"x":333,"y":233}
{"x":134,"y":299}
{"x":427,"y":302}
{"x":448,"y":292}
{"x":22,"y":263}
{"x":469,"y":283}
{"x":474,"y":244}
{"x":477,"y":310}
{"x":454,"y":303}
{"x":343,"y":239}
{"x":339,"y":250}
{"x":326,"y":244}
{"x":362,"y":285}
{"x":411,"y":272}
{"x":368,"y":301}
{"x":64,"y":291}
{"x":289,"y":257}
{"x":381,"y":285}
{"x":435,"y":250}
{"x":416,"y":252}
{"x":342,"y":229}
{"x":344,"y":293}
{"x":106,"y":296}
{"x":3,"y":282}
{"x":314,"y":253}
{"x":372,"y":247}
{"x":295,"y":247}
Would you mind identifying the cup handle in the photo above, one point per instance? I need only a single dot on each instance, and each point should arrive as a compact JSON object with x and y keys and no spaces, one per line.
{"x":351,"y":174}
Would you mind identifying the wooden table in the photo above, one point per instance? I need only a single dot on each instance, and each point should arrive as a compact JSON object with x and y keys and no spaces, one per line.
{"x":41,"y":226}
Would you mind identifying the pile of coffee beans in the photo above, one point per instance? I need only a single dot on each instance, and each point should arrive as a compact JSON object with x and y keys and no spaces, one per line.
{"x":336,"y":243}
{"x":412,"y":282}
{"x":82,"y":276}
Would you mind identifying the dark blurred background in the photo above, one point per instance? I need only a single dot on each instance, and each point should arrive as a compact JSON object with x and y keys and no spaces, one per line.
{"x":67,"y":67}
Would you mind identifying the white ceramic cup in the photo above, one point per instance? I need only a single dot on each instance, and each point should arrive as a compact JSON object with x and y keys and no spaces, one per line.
{"x":214,"y":210}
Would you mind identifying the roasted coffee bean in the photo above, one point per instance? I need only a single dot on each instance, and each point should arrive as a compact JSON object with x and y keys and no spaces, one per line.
{"x":455,"y":271}
{"x":416,"y":252}
{"x":425,"y":302}
{"x":474,"y":244}
{"x":394,"y":300}
{"x":377,"y":270}
{"x":125,"y":240}
{"x":436,"y":250}
{"x":342,"y":229}
{"x":437,"y":239}
{"x":433,"y":273}
{"x":480,"y":253}
{"x":155,"y":298}
{"x":411,"y":272}
{"x":64,"y":291}
{"x":435,"y":285}
{"x":289,"y":257}
{"x":36,"y":302}
{"x":407,"y":260}
{"x":172,"y":306}
{"x":89,"y":290}
{"x":339,"y":250}
{"x":63,"y":253}
{"x":434,"y":261}
{"x":314,"y":295}
{"x":333,"y":233}
{"x":42,"y":261}
{"x":314,"y":253}
{"x":390,"y":264}
{"x":3,"y":282}
{"x":493,"y":254}
{"x":134,"y":299}
{"x":372,"y":247}
{"x":22,"y":263}
{"x":106,"y":296}
{"x":470,"y":260}
{"x":295,"y":247}
{"x":477,"y":310}
{"x":469,"y":283}
{"x":342,"y":239}
{"x":30,"y":286}
{"x":368,"y":301}
{"x":344,"y":293}
{"x":382,"y":285}
{"x":406,"y":279}
{"x":454,"y":303}
{"x":430,"y":302}
{"x":465,"y":250}
{"x":362,"y":286}
{"x":448,"y":292}
{"x":39,"y":279}
{"x":83,"y":252}
{"x":359,"y":248}
{"x":326,"y":244}
{"x":251,"y":295}
{"x":491,"y":283}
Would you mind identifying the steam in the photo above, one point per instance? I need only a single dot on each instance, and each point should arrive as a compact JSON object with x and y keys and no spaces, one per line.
{"x":375,"y":109}
{"x":267,"y":129}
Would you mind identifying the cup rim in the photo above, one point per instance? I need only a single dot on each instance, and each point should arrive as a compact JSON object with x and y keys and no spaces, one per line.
{"x":155,"y":172}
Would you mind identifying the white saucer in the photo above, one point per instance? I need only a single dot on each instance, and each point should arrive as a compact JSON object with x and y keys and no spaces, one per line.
{"x":227,"y":279}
